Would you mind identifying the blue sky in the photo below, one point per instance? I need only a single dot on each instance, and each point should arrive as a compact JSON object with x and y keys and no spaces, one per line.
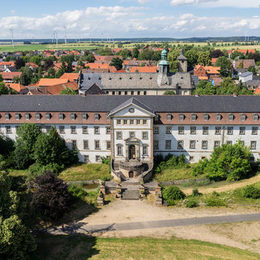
{"x":130,"y":18}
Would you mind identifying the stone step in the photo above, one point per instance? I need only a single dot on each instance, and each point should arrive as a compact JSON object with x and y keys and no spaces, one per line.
{"x":130,"y":195}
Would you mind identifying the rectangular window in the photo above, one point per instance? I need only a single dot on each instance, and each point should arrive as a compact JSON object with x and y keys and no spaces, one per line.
{"x":219,"y":117}
{"x":192,"y":144}
{"x":230,"y":130}
{"x":119,"y":150}
{"x":145,"y":135}
{"x":168,"y":130}
{"x":74,"y":144}
{"x":156,"y":130}
{"x":86,"y":158}
{"x":217,"y":130}
{"x":242,"y":142}
{"x":73,"y":130}
{"x":229,"y":142}
{"x":206,"y":117}
{"x":138,"y":121}
{"x":61,"y":116}
{"x":144,"y":122}
{"x":132,"y":121}
{"x":156,"y":144}
{"x":98,"y":158}
{"x":118,"y":135}
{"x":131,"y":134}
{"x":193,"y":117}
{"x":254,"y":130}
{"x":27,"y":116}
{"x":193,"y":130}
{"x":62,"y":129}
{"x":8,"y":129}
{"x":253,"y":145}
{"x":145,"y":149}
{"x":85,"y":116}
{"x":97,"y":145}
{"x":168,"y":144}
{"x":84,"y":130}
{"x":125,"y":122}
{"x":38,"y":116}
{"x":204,"y":145}
{"x":73,"y":116}
{"x":242,"y":130}
{"x":85,"y":145}
{"x":7,"y":116}
{"x":181,"y":130}
{"x":108,"y":130}
{"x":180,"y":145}
{"x":97,"y":117}
{"x":96,"y":130}
{"x":169,"y":117}
{"x":205,"y":130}
{"x":48,"y":116}
{"x":181,"y":117}
{"x":108,"y":145}
{"x":216,"y":144}
{"x":118,"y":122}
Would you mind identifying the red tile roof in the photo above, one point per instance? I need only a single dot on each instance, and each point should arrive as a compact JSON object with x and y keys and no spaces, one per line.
{"x":10,"y":75}
{"x":51,"y":82}
{"x":70,"y":76}
{"x":15,"y":86}
{"x":94,"y":66}
{"x":145,"y":69}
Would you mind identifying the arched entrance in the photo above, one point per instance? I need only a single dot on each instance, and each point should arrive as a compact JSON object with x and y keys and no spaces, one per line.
{"x":131,"y":152}
{"x":131,"y":174}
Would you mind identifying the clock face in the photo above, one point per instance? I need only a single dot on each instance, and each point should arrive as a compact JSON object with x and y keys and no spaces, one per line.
{"x":131,"y":110}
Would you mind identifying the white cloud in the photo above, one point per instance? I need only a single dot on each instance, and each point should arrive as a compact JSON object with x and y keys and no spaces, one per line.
{"x":118,"y":21}
{"x":218,"y":3}
{"x":142,"y":2}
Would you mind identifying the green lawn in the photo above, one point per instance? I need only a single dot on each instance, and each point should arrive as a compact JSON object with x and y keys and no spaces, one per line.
{"x":84,"y":172}
{"x":81,"y":247}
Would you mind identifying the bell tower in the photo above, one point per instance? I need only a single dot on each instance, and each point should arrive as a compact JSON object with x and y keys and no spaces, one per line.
{"x":182,"y":63}
{"x":162,"y":78}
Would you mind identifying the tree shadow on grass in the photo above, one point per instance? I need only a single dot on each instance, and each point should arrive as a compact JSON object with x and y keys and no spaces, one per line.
{"x":60,"y":247}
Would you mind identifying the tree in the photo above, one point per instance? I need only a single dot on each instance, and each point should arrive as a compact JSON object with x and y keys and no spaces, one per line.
{"x":204,"y":58}
{"x":225,"y":66}
{"x":3,"y":89}
{"x":216,"y":53}
{"x":192,"y":56}
{"x":51,"y":73}
{"x":51,"y":197}
{"x":169,"y":93}
{"x":135,"y":53}
{"x":16,"y":241}
{"x":228,"y":162}
{"x":26,"y":77}
{"x":19,"y":63}
{"x":172,"y":57}
{"x":237,"y":55}
{"x":252,"y":69}
{"x":68,"y":91}
{"x":125,"y":53}
{"x":90,"y":58}
{"x":27,"y":135}
{"x":117,"y":63}
{"x":50,"y":149}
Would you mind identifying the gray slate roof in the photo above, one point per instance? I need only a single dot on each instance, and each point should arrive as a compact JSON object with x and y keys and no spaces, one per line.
{"x":121,"y":81}
{"x":104,"y":103}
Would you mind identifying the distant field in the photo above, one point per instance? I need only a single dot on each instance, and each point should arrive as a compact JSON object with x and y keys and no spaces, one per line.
{"x":83,"y":247}
{"x":95,"y":45}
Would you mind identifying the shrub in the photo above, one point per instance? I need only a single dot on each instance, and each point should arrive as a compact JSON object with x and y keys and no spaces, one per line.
{"x":191,"y":203}
{"x":172,"y":193}
{"x":214,"y":201}
{"x":77,"y":191}
{"x":251,"y":191}
{"x":195,"y":193}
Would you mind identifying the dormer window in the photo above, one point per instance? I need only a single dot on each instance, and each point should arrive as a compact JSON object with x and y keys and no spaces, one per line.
{"x":193,"y":117}
{"x":85,"y":116}
{"x":130,"y":78}
{"x":181,"y":117}
{"x":206,"y":117}
{"x":141,"y":78}
{"x":27,"y":116}
{"x":219,"y":117}
{"x":169,"y":117}
{"x":243,"y":117}
{"x":73,"y":116}
{"x":48,"y":116}
{"x":110,"y":78}
{"x":97,"y":116}
{"x":61,"y":116}
{"x":231,"y":117}
{"x":89,"y":78}
{"x":255,"y":117}
{"x":17,"y":116}
{"x":120,"y":78}
{"x":38,"y":116}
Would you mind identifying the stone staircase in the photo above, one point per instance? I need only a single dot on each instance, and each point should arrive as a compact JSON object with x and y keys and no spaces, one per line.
{"x":130,"y":190}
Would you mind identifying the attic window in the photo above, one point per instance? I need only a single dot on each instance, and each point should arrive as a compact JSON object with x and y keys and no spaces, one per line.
{"x":48,"y":116}
{"x":97,"y":116}
{"x":231,"y":117}
{"x":110,"y":78}
{"x":17,"y":116}
{"x":85,"y":116}
{"x":150,"y":78}
{"x":255,"y":117}
{"x":181,"y":117}
{"x":141,"y":78}
{"x":181,"y":77}
{"x":61,"y":116}
{"x":193,"y":117}
{"x":27,"y":116}
{"x":73,"y":116}
{"x":130,"y":77}
{"x":120,"y":78}
{"x":219,"y":117}
{"x":38,"y":116}
{"x":89,"y":78}
{"x":206,"y":117}
{"x":243,"y":117}
{"x":169,"y":117}
{"x":99,"y":78}
{"x":7,"y":116}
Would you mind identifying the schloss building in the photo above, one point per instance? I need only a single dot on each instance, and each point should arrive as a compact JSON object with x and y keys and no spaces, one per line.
{"x":132,"y":129}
